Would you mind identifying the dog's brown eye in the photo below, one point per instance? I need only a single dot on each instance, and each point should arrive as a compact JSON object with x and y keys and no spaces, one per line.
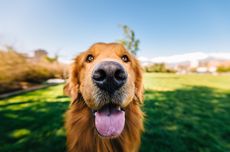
{"x":89,"y":58}
{"x":125,"y":58}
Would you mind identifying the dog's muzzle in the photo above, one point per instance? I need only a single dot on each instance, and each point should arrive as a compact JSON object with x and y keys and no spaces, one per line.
{"x":109,"y":76}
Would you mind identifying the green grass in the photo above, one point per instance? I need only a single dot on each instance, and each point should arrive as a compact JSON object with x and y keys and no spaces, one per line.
{"x":186,"y":113}
{"x":183,"y":113}
{"x":33,"y":122}
{"x":163,"y":82}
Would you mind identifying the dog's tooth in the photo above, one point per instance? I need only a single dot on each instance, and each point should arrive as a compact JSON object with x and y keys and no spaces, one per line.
{"x":118,"y":108}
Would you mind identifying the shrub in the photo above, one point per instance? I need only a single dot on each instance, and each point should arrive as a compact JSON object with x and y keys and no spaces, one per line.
{"x":16,"y":68}
{"x":223,"y":69}
{"x":159,"y":67}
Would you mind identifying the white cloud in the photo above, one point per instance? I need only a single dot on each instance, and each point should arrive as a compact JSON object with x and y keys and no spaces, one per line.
{"x":191,"y":57}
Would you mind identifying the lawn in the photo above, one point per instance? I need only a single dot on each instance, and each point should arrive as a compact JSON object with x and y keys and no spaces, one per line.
{"x":183,"y":113}
{"x":186,"y":113}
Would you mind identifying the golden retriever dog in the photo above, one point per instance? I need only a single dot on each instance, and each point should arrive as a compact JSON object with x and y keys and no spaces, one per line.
{"x":105,"y":86}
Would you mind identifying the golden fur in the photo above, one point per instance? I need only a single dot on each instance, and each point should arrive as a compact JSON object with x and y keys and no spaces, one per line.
{"x":81,"y":133}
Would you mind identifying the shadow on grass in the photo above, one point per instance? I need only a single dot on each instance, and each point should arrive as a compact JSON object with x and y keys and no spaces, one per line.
{"x":189,"y":119}
{"x":32,"y":126}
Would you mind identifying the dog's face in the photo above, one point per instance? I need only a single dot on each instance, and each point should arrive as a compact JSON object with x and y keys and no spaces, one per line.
{"x":108,"y":78}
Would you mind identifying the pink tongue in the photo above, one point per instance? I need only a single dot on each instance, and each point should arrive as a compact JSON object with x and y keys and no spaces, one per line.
{"x":110,"y":123}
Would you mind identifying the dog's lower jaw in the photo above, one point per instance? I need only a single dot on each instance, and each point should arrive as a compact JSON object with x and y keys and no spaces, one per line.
{"x":83,"y":137}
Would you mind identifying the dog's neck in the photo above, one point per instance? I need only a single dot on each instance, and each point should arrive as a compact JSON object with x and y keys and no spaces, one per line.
{"x":83,"y":137}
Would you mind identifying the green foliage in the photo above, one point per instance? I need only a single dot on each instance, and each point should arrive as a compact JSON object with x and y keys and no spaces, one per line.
{"x":130,"y":41}
{"x":52,"y":59}
{"x":223,"y":69}
{"x":159,"y":67}
{"x":183,"y":113}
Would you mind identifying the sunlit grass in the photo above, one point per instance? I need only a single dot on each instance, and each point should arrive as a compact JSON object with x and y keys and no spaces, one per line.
{"x":20,"y":133}
{"x":33,"y":121}
{"x":166,"y":82}
{"x":183,"y":113}
{"x":186,"y":113}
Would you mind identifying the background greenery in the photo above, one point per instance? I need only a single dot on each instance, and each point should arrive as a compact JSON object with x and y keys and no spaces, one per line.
{"x":20,"y":71}
{"x":183,"y":113}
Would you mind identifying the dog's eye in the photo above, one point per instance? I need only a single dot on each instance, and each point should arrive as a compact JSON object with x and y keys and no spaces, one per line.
{"x":125,"y":58}
{"x":89,"y":58}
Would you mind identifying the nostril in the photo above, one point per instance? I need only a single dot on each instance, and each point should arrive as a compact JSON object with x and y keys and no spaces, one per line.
{"x":99,"y":75}
{"x":120,"y":75}
{"x":109,"y":76}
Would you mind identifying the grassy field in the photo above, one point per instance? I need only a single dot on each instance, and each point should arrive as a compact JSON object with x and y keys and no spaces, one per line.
{"x":183,"y":113}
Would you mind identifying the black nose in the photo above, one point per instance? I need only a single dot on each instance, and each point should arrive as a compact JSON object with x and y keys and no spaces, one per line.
{"x":109,"y":76}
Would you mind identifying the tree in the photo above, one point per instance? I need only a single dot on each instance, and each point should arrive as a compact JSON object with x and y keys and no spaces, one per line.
{"x":130,"y":41}
{"x":40,"y":53}
{"x":159,"y":67}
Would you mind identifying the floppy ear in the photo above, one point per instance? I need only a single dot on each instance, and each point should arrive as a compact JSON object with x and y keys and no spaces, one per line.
{"x":66,"y":89}
{"x":71,"y":88}
{"x":139,"y":88}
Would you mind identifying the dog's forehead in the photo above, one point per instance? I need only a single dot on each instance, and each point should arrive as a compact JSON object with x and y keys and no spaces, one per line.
{"x":107,"y":49}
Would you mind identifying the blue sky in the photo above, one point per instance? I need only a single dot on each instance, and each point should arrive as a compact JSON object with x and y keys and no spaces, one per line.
{"x":164,"y":27}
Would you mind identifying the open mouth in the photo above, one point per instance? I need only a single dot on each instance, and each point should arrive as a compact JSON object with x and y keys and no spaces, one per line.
{"x":110,"y":120}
